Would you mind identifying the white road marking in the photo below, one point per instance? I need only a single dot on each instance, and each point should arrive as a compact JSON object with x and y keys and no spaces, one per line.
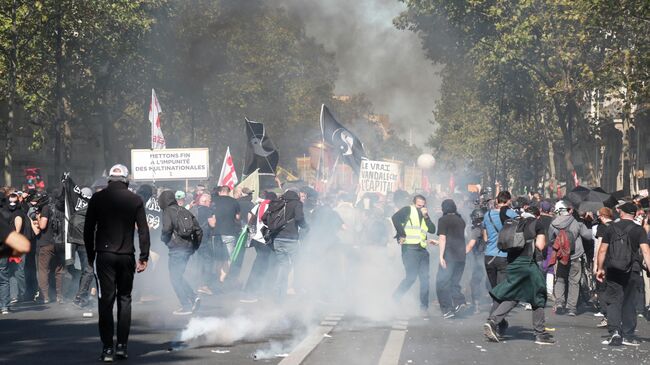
{"x":394,"y":343}
{"x":298,"y":355}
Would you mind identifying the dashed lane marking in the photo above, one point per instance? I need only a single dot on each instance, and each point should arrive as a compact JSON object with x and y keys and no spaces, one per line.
{"x":304,"y":348}
{"x":394,"y":343}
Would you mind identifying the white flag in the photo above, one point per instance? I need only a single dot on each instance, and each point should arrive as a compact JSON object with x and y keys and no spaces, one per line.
{"x":228,"y":176}
{"x":157,"y":138}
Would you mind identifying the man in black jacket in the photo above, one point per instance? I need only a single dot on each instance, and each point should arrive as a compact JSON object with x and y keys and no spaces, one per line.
{"x":285,"y":242}
{"x":180,"y":250}
{"x":111,"y":218}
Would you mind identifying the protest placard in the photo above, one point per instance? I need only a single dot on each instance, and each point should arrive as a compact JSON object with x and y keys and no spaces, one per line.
{"x":378,"y":177}
{"x":170,"y":164}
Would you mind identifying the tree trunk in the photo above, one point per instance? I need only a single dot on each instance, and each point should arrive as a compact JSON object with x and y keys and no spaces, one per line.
{"x":12,"y":100}
{"x":626,"y":152}
{"x":58,"y":93}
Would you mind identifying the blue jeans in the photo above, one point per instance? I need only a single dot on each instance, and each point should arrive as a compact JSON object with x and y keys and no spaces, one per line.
{"x":4,"y":283}
{"x":416,"y":265}
{"x":86,"y":279}
{"x":208,"y":253}
{"x":285,"y":251}
{"x":178,"y":259}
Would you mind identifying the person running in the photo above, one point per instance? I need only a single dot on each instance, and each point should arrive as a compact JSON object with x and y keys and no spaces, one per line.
{"x":524,"y":283}
{"x":412,"y":223}
{"x":451,"y":232}
{"x":112,"y":216}
{"x":619,"y":266}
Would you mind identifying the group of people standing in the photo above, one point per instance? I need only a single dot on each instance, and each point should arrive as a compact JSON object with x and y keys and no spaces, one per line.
{"x":564,"y":257}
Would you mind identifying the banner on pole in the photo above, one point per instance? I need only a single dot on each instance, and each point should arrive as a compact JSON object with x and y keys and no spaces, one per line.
{"x":170,"y":164}
{"x":378,"y":177}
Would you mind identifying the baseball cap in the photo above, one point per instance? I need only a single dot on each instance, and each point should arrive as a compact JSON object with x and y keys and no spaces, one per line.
{"x":119,"y":171}
{"x":179,"y":194}
{"x":629,"y":208}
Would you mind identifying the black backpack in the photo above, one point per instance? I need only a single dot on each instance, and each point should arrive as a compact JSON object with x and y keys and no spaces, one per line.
{"x":619,"y":251}
{"x":55,"y":223}
{"x":512,"y":237}
{"x":186,"y":226}
{"x":275,"y":218}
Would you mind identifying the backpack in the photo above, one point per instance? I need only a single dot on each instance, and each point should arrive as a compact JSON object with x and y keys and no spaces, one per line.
{"x":275,"y":218}
{"x":55,"y":223}
{"x":186,"y":226}
{"x":619,"y":252}
{"x":512,"y":237}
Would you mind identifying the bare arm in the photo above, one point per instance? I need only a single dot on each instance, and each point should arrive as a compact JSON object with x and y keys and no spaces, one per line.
{"x":645,"y":250}
{"x":442,"y":241}
{"x":602,"y":251}
{"x":18,"y":222}
{"x":484,"y":234}
{"x":42,"y":222}
{"x":17,"y":243}
{"x":540,"y":242}
{"x":470,"y":246}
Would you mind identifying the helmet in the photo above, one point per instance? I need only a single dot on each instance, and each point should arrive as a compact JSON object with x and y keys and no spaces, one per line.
{"x":477,"y":215}
{"x":562,"y":207}
{"x":118,"y":172}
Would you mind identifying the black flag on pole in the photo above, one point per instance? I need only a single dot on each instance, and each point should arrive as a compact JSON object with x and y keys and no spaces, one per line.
{"x":261,"y":153}
{"x":347,"y":144}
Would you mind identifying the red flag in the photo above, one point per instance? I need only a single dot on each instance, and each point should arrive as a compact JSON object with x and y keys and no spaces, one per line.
{"x":157,"y":138}
{"x":228,"y":176}
{"x":452,"y":184}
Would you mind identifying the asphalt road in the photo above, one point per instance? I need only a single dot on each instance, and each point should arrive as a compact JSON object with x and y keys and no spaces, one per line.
{"x":59,"y":334}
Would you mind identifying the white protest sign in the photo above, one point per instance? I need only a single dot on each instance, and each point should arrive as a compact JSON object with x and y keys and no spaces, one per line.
{"x":170,"y":164}
{"x":378,"y":177}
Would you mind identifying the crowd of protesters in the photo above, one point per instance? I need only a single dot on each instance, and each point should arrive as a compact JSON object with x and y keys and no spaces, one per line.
{"x":565,"y":263}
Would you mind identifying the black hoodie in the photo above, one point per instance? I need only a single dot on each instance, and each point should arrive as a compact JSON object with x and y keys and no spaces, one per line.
{"x":295,"y":216}
{"x":110,"y":222}
{"x":169,"y":206}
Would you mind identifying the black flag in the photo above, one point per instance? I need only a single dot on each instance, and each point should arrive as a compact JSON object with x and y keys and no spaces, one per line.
{"x":76,"y":200}
{"x":261,"y":153}
{"x":335,"y":134}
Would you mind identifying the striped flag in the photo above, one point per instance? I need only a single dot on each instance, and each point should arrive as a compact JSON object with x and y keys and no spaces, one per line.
{"x":157,"y":138}
{"x":228,"y":176}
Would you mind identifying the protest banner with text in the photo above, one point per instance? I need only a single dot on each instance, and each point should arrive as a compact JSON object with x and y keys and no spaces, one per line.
{"x":378,"y":177}
{"x":170,"y":164}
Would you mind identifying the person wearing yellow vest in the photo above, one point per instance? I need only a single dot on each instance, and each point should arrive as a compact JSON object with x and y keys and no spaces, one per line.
{"x":412,"y":224}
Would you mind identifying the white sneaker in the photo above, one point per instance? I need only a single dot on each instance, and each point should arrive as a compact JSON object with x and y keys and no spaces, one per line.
{"x":528,"y":307}
{"x":599,"y":314}
{"x":182,"y":312}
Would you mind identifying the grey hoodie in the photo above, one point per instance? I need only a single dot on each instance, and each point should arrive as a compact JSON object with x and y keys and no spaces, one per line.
{"x":577,"y":230}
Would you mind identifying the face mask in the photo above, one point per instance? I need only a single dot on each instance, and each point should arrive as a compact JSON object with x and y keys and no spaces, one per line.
{"x":12,"y":206}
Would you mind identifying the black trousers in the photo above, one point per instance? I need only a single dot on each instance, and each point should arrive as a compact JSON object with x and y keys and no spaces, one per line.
{"x":620,"y":297}
{"x":495,"y":267}
{"x":448,"y":288}
{"x":115,"y":273}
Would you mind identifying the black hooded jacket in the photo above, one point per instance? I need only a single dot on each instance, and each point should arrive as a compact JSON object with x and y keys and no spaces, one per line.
{"x":295,"y":216}
{"x":110,"y":222}
{"x":170,"y":209}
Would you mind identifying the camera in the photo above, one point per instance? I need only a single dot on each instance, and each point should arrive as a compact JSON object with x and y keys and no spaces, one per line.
{"x":32,"y":212}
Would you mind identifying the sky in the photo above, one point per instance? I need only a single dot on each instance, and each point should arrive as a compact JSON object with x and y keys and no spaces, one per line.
{"x":375,"y":58}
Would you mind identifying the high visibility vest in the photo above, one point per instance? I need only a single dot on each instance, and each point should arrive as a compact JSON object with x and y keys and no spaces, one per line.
{"x":416,"y":229}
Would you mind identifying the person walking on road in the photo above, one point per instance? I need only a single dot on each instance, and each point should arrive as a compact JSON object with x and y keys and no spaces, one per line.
{"x":620,"y":266}
{"x":412,"y":224}
{"x":112,"y":216}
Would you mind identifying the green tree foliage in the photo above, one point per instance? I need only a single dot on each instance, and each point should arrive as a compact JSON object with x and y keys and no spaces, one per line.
{"x":544,"y":58}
